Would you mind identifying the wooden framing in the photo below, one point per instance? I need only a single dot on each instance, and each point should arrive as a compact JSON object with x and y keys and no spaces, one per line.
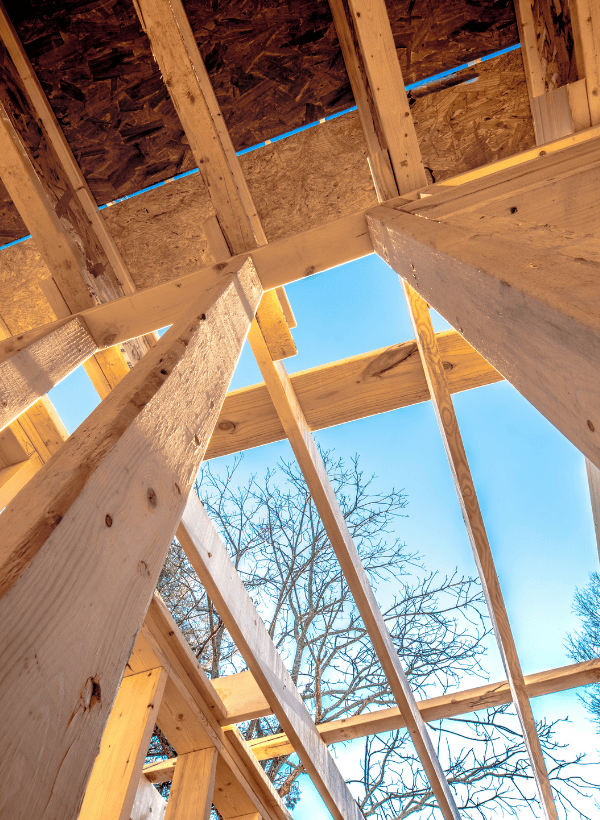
{"x":507,"y":253}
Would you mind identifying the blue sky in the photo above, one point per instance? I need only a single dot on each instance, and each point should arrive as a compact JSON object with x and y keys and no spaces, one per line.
{"x":530,"y":480}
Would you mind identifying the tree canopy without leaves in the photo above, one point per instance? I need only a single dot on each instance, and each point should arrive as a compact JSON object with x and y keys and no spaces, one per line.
{"x":585,"y":644}
{"x":278,"y":543}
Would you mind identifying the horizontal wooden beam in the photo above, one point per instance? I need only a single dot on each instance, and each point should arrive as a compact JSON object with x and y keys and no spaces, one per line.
{"x":388,"y":720}
{"x":344,"y":391}
{"x":28,"y":371}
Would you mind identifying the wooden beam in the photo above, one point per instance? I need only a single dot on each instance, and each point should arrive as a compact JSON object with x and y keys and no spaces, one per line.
{"x":191,"y":795}
{"x":175,"y":50}
{"x":529,"y":49}
{"x":386,"y":84}
{"x":585,"y":20}
{"x":29,"y":370}
{"x":241,"y":785}
{"x":533,"y":312}
{"x":313,"y":469}
{"x":449,"y":705}
{"x":209,"y":558}
{"x":593,"y":475}
{"x":343,"y":391}
{"x":467,"y":497}
{"x":148,"y":803}
{"x":92,"y":529}
{"x":114,"y":781}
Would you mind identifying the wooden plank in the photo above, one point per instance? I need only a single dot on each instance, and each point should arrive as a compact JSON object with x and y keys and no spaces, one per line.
{"x":467,"y":497}
{"x":533,"y":312}
{"x":114,"y":781}
{"x":148,"y":804}
{"x":242,"y":697}
{"x":529,"y":50}
{"x":191,"y":795}
{"x":92,"y":529}
{"x":29,"y":370}
{"x":240,"y":783}
{"x":15,"y":477}
{"x":451,"y":704}
{"x":378,"y":51}
{"x":313,"y":469}
{"x":209,"y":558}
{"x":343,"y":391}
{"x":585,"y":19}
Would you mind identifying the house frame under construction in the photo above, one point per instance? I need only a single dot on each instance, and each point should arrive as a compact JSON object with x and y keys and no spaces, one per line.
{"x":480,"y":189}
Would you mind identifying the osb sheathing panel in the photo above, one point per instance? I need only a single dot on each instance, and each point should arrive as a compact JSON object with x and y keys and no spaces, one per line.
{"x":554,"y":34}
{"x":297,"y":183}
{"x":475,"y":123}
{"x":275,"y":65}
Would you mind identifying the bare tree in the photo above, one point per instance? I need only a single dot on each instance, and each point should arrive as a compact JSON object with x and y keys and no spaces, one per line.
{"x":585,"y":644}
{"x":278,"y":543}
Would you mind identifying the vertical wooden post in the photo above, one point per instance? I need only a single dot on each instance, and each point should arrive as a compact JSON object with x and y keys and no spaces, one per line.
{"x":191,"y":793}
{"x":113,"y":784}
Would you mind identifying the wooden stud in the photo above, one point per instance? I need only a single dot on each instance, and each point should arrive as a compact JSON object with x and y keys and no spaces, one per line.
{"x":209,"y":558}
{"x":113,"y":784}
{"x":593,"y":475}
{"x":311,"y":464}
{"x":92,"y":529}
{"x":467,"y":497}
{"x":585,"y":20}
{"x":191,"y":795}
{"x":148,"y":804}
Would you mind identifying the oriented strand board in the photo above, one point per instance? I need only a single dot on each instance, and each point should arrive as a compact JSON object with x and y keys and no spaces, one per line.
{"x":300,"y":182}
{"x":469,"y":125}
{"x":275,"y":65}
{"x":552,"y":22}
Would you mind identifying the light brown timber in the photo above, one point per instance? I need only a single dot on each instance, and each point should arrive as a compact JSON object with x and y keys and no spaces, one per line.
{"x":119,"y":484}
{"x":28,"y":371}
{"x":191,"y":794}
{"x":585,"y":20}
{"x":112,"y":787}
{"x":467,"y":497}
{"x":313,"y":469}
{"x":532,"y":311}
{"x":223,"y":584}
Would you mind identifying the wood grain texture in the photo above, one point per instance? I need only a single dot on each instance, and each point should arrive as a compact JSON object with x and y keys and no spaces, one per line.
{"x":467,"y":496}
{"x":209,"y":558}
{"x":312,"y":467}
{"x":148,"y":804}
{"x":468,"y":270}
{"x":99,"y":518}
{"x":29,"y":371}
{"x":113,"y":784}
{"x":274,"y":67}
{"x":340,"y":392}
{"x":585,"y":16}
{"x":386,"y":85}
{"x":241,"y":785}
{"x":191,"y":794}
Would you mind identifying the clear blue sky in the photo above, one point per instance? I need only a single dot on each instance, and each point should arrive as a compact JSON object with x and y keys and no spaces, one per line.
{"x":530,"y":480}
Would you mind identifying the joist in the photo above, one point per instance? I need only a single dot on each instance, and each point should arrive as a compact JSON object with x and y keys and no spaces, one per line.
{"x":191,"y":795}
{"x":223,"y":584}
{"x":313,"y":469}
{"x":118,"y":484}
{"x":175,"y":50}
{"x":469,"y":504}
{"x":450,"y":705}
{"x":493,"y":289}
{"x":585,"y":18}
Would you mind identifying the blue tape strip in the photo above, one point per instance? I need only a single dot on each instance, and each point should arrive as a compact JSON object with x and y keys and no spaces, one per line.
{"x":418,"y":84}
